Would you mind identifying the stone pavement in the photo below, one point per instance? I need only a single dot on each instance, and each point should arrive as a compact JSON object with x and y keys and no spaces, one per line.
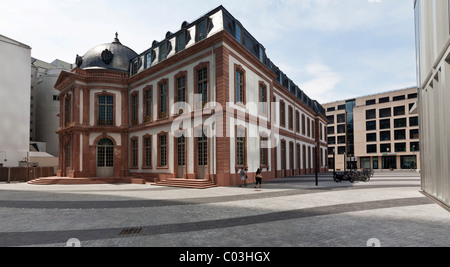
{"x":289,"y":212}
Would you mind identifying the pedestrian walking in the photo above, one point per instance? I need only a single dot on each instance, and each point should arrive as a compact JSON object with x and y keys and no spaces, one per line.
{"x":244,"y":176}
{"x":259,"y":178}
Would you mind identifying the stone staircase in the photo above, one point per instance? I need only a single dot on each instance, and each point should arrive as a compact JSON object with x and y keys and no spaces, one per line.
{"x":187,"y":183}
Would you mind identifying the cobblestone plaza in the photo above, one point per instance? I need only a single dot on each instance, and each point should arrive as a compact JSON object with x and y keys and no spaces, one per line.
{"x":288,"y":212}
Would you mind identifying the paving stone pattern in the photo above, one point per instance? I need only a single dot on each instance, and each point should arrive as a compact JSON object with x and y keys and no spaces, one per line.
{"x":288,"y":212}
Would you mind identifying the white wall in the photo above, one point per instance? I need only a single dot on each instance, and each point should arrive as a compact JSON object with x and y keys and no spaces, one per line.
{"x":15,"y":84}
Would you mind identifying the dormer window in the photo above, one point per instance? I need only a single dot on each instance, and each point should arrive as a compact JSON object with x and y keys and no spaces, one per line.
{"x":148,"y":60}
{"x":181,"y":42}
{"x":261,"y":54}
{"x":201,"y":30}
{"x":134,"y":67}
{"x":163,"y":51}
{"x":238,"y":33}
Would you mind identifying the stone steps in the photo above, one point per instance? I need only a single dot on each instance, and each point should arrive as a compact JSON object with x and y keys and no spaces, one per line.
{"x":187,"y":183}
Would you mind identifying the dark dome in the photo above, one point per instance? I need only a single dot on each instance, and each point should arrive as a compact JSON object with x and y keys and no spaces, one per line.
{"x":113,"y":56}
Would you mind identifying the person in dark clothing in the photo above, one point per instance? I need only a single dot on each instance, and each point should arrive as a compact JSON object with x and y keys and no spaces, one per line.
{"x":258,"y":178}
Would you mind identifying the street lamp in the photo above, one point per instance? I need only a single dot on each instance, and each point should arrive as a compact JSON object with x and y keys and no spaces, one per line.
{"x":415,"y":157}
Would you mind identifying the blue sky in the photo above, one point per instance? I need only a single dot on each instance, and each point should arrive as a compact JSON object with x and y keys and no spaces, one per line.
{"x":332,"y":49}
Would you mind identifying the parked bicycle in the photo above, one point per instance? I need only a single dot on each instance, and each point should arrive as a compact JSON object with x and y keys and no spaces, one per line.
{"x":363,"y":176}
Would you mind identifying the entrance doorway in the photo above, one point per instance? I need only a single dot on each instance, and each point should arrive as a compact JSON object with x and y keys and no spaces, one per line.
{"x":105,"y":158}
{"x":181,"y":157}
{"x":389,"y":163}
{"x":202,"y":157}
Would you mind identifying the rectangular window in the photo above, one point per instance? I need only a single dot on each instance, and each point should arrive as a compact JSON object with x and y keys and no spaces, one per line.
{"x":148,"y":105}
{"x":261,"y":54}
{"x":239,"y":87}
{"x":385,"y":113}
{"x":134,"y":67}
{"x":181,"y":42}
{"x":238,"y":33}
{"x":341,"y":128}
{"x":148,"y":152}
{"x":283,"y":154}
{"x":341,"y":140}
{"x":375,"y":163}
{"x":55,"y":98}
{"x":163,"y":151}
{"x":332,"y":140}
{"x":331,"y":109}
{"x":264,"y":155}
{"x":304,"y":126}
{"x":371,"y":114}
{"x":105,"y":110}
{"x":412,"y":96}
{"x":399,"y":98}
{"x":330,"y":130}
{"x":400,"y":123}
{"x":414,"y":146}
{"x":365,"y":163}
{"x":341,"y":118}
{"x":413,"y":121}
{"x":370,"y":102}
{"x":68,"y":108}
{"x":383,"y":100}
{"x":330,"y":119}
{"x":148,"y":60}
{"x":163,"y":98}
{"x":372,"y":137}
{"x":308,"y":124}
{"x":341,"y":107}
{"x":181,"y":93}
{"x":201,"y":30}
{"x":240,"y":147}
{"x":134,"y":153}
{"x":385,"y":136}
{"x":414,"y":134}
{"x":385,"y":148}
{"x":282,"y":114}
{"x":399,"y":111}
{"x":371,"y":125}
{"x":371,"y":149}
{"x":297,"y":121}
{"x":134,"y":109}
{"x":202,"y":85}
{"x":263,"y":98}
{"x":291,"y":118}
{"x":341,"y":150}
{"x":385,"y":124}
{"x":400,"y":147}
{"x":400,"y":134}
{"x":163,"y":52}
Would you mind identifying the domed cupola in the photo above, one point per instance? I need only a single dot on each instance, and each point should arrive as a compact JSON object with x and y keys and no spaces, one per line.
{"x":111,"y":56}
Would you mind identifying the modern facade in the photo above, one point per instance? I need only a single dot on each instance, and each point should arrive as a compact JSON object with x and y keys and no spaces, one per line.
{"x":45,"y":103}
{"x":203,"y":103}
{"x":433,"y":71}
{"x":374,"y":132}
{"x":14,"y":101}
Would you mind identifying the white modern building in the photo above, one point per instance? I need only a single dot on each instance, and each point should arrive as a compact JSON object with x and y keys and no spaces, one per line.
{"x":433,"y":70}
{"x":44,"y":121}
{"x":14,"y":101}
